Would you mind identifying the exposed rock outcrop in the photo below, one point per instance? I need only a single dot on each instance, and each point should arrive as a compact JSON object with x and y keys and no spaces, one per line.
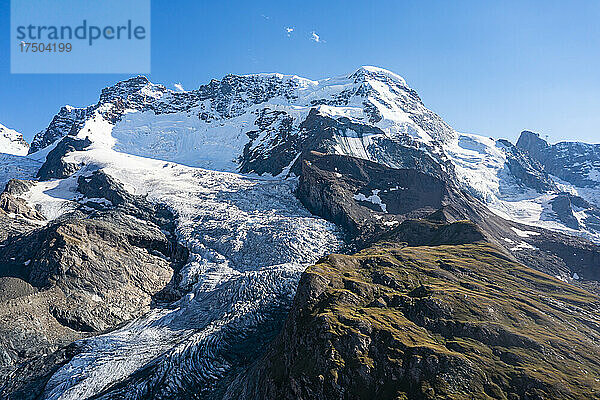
{"x":528,"y":172}
{"x":575,"y":162}
{"x":371,"y":201}
{"x":55,"y":166}
{"x":454,"y":321}
{"x":85,"y":273}
{"x":368,"y":198}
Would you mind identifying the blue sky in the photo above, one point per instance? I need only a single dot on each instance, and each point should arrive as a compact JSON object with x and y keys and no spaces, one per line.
{"x":493,"y":68}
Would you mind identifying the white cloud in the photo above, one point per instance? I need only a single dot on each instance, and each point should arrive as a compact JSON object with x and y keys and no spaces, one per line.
{"x":314,"y":37}
{"x":179,"y":87}
{"x":289,"y":30}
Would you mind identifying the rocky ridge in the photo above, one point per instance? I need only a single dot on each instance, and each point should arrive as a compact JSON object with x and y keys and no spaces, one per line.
{"x":453,"y":319}
{"x":573,"y":162}
{"x":87,"y":272}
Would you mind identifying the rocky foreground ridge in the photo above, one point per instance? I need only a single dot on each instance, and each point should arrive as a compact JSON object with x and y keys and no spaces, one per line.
{"x":451,"y":319}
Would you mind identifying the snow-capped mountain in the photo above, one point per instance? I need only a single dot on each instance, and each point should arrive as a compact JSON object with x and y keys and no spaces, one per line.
{"x":574,"y":166}
{"x":263,"y":123}
{"x":12,"y":142}
{"x":234,"y":123}
{"x":214,"y":170}
{"x":518,"y":187}
{"x":573,"y":162}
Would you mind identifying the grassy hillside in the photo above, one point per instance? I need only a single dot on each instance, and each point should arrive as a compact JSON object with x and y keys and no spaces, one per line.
{"x":448,"y":322}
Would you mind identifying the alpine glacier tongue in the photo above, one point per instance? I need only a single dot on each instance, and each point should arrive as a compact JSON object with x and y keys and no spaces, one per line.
{"x":249,"y":241}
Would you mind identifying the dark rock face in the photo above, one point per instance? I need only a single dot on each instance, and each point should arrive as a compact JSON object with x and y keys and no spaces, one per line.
{"x":341,"y":189}
{"x":55,"y":166}
{"x":528,"y":172}
{"x":425,"y":232}
{"x":574,"y":162}
{"x":563,"y":205}
{"x":29,"y":379}
{"x":285,"y":145}
{"x":12,"y":205}
{"x":16,"y":217}
{"x":278,"y":148}
{"x":67,"y":120}
{"x":367,"y":198}
{"x":80,"y":275}
{"x":17,"y":187}
{"x":87,"y":259}
{"x":577,"y":255}
{"x":331,"y":186}
{"x":534,"y":145}
{"x":451,"y":321}
{"x":563,"y":208}
{"x":101,"y":185}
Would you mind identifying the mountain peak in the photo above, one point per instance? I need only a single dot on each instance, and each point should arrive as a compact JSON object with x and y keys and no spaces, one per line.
{"x":531,"y":135}
{"x":368,"y":71}
{"x":532,"y":143}
{"x":370,"y":94}
{"x":136,"y":85}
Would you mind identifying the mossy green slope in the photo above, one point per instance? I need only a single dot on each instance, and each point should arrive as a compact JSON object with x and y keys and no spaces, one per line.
{"x":445,"y":322}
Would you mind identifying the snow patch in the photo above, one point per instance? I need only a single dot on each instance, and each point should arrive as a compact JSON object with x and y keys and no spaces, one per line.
{"x":524,"y":234}
{"x":523,"y":246}
{"x":11,"y":142}
{"x":373,"y":198}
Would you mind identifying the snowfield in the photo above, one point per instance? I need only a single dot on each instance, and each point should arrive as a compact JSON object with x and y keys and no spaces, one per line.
{"x":13,"y":164}
{"x":17,"y":167}
{"x":481,"y":166}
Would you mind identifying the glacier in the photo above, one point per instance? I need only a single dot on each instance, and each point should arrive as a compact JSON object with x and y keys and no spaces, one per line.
{"x":249,"y":239}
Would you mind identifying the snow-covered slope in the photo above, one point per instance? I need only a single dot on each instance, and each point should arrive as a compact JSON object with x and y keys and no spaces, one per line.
{"x":17,"y":167}
{"x":226,"y":124}
{"x":518,"y":188}
{"x":12,"y":142}
{"x":574,"y":165}
{"x":12,"y":163}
